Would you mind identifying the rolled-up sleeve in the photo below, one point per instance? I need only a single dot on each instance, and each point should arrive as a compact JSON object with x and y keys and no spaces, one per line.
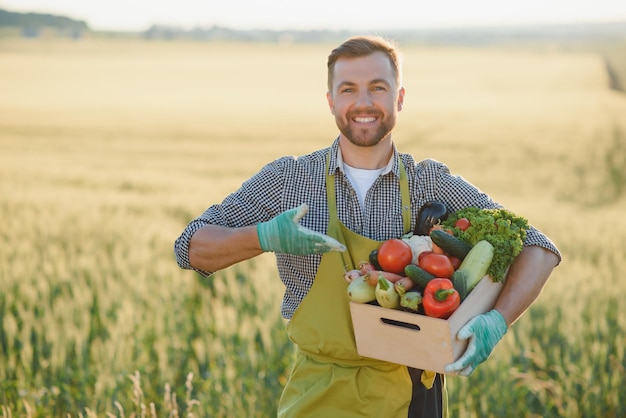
{"x":181,"y":246}
{"x":538,"y":238}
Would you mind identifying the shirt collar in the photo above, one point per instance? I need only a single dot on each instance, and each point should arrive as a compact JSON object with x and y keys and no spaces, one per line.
{"x":336,"y":160}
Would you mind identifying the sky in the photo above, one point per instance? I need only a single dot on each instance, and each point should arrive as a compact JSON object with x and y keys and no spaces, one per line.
{"x":139,"y":15}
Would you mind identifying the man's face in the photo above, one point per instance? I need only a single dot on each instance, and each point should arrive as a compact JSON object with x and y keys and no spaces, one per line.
{"x":365,"y":98}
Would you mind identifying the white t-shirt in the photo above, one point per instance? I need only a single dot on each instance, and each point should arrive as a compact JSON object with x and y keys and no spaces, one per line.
{"x":362,"y":180}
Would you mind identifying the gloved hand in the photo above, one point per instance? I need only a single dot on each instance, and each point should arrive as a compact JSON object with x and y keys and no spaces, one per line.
{"x":284,"y":234}
{"x":484,"y":331}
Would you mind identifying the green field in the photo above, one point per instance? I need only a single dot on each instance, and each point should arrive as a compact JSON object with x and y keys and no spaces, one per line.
{"x":109,"y":147}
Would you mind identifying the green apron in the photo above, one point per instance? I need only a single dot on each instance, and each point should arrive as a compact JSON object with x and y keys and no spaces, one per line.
{"x":329,"y":379}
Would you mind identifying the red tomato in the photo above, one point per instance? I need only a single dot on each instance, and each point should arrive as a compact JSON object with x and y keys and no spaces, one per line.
{"x":422,"y":254}
{"x":462,"y":224}
{"x":394,"y":255}
{"x":439,"y":265}
{"x":456,"y":262}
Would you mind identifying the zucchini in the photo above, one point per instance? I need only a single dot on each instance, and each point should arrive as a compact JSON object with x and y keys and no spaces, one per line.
{"x":419,"y":276}
{"x":450,"y":244}
{"x":476,"y":263}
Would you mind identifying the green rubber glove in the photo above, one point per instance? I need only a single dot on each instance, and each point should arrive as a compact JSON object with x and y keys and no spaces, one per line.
{"x":284,"y":234}
{"x":484,"y":331}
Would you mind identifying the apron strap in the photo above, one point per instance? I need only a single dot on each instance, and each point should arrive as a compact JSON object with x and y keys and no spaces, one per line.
{"x":406,"y":198}
{"x":334,"y":225}
{"x":331,"y":197}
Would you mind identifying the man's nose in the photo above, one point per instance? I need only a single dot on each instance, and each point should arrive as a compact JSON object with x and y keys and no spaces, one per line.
{"x":364,"y":99}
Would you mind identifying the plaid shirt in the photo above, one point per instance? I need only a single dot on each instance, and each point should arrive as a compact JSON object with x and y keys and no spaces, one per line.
{"x":290,"y":181}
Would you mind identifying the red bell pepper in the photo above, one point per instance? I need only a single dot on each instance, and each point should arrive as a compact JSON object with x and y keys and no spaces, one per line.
{"x":440,"y":298}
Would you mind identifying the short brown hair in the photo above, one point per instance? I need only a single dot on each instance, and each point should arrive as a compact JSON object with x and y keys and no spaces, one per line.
{"x":360,"y":46}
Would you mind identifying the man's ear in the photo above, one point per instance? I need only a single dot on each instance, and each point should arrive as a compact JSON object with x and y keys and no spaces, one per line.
{"x":400,"y":98}
{"x":331,"y":105}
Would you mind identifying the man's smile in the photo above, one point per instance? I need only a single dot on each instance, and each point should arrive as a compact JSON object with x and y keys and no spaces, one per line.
{"x":364,"y":118}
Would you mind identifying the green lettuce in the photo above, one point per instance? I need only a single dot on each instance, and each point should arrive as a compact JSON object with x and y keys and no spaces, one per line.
{"x":505,"y":230}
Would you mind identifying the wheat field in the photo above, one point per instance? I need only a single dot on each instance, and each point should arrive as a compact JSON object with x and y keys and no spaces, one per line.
{"x":109,"y":147}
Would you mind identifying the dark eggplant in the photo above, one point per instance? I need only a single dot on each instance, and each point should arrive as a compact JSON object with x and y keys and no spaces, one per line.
{"x":428,"y":216}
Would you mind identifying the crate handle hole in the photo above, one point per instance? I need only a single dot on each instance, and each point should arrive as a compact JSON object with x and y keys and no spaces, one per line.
{"x":400,"y":324}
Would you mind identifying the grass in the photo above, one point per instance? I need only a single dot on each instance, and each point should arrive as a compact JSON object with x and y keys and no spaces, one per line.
{"x":108,"y":149}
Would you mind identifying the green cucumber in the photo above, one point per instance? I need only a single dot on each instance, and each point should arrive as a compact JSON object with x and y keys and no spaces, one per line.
{"x":459,"y":281}
{"x":450,"y":244}
{"x":418,"y":275}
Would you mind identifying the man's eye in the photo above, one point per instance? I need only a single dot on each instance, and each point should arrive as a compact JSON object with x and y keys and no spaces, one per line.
{"x":379,"y":88}
{"x":347,"y":90}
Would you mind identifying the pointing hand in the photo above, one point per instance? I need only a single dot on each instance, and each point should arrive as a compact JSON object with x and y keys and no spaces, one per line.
{"x":284,"y":234}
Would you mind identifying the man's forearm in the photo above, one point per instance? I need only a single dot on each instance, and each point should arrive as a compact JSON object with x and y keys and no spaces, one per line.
{"x":215,"y":247}
{"x":525,"y":281}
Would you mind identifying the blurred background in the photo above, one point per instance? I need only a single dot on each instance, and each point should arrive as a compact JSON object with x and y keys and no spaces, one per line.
{"x":121,"y":122}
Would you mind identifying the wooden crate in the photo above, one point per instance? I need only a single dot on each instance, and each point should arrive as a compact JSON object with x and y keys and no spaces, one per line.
{"x":418,"y":340}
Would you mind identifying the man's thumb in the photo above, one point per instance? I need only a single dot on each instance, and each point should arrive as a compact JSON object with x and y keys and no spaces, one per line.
{"x":301,"y":211}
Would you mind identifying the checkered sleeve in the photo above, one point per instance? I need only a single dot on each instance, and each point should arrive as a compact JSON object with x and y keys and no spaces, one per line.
{"x":257,"y":200}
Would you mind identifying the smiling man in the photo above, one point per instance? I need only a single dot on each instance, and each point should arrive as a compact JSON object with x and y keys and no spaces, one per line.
{"x":365,"y":95}
{"x":322,"y":214}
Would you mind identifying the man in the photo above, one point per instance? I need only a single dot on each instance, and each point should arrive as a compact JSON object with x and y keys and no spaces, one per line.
{"x":322,"y":214}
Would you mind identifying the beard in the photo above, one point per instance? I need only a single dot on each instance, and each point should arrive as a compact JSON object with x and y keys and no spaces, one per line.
{"x":365,"y":137}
